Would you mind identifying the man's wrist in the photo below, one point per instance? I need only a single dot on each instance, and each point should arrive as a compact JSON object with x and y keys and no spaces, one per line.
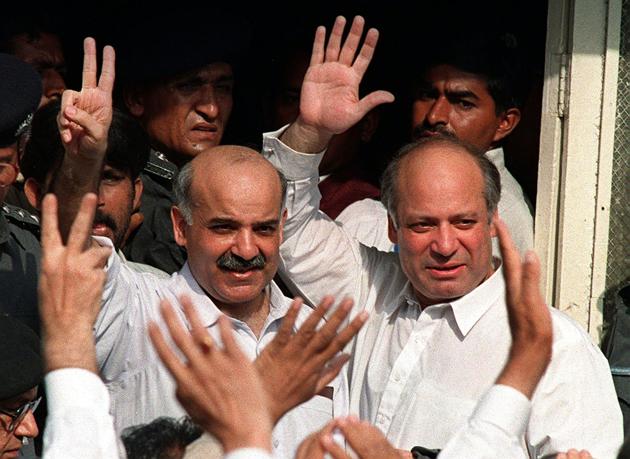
{"x":305,"y":138}
{"x":260,"y":437}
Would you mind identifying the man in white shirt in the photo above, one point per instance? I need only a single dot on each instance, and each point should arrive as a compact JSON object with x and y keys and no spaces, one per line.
{"x":230,"y":219}
{"x":438,"y":333}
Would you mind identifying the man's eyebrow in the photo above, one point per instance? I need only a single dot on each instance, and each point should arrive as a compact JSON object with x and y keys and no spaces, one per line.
{"x":224,"y":79}
{"x":272,"y":222}
{"x":221,"y":221}
{"x":461,"y":94}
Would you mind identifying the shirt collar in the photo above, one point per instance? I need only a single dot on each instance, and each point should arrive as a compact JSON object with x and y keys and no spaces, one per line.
{"x":496,"y":157}
{"x":471,"y":307}
{"x":186,"y":284}
{"x":468,"y":309}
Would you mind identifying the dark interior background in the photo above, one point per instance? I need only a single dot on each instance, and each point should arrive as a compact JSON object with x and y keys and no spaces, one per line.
{"x":406,"y":31}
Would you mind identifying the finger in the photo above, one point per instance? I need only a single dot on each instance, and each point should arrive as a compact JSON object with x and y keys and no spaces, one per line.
{"x":84,"y":120}
{"x":81,"y":228}
{"x":334,"y":42}
{"x":50,"y":224}
{"x":108,"y":70}
{"x":182,"y":339}
{"x":351,"y":44}
{"x":511,"y":261}
{"x":332,"y":448}
{"x":345,"y":336}
{"x":317,"y":56}
{"x":89,"y":63}
{"x":197,"y":329}
{"x":63,"y":123}
{"x":307,"y":330}
{"x":331,"y":370}
{"x":367,"y":52}
{"x":229,"y":342}
{"x":166,"y":354}
{"x":325,"y":334}
{"x":530,"y":283}
{"x":374,"y":99}
{"x":286,"y":328}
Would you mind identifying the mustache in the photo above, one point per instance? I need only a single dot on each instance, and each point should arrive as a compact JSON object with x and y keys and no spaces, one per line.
{"x":231,"y":262}
{"x":105,"y":219}
{"x":419,"y":131}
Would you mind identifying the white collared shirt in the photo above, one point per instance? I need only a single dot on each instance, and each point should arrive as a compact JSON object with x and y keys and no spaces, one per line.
{"x":418,"y":375}
{"x":142,"y":389}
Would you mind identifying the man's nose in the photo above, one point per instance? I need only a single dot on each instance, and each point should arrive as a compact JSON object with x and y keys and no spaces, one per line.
{"x":245,"y":245}
{"x":445,"y":242}
{"x":28,"y":427}
{"x":207,"y":102}
{"x":439,"y":112}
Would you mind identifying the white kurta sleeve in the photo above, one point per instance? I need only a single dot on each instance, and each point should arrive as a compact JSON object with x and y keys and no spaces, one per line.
{"x":79,"y":424}
{"x":495,"y":428}
{"x":316,"y":251}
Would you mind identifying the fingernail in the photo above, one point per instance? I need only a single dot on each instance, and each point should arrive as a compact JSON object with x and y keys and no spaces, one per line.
{"x":71,"y":111}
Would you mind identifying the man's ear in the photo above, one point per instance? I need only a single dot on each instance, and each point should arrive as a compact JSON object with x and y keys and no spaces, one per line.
{"x":392,"y":232}
{"x":138,"y":187}
{"x":179,"y":226}
{"x":493,"y":221}
{"x":33,"y":192}
{"x":508,"y":122}
{"x":283,"y":220}
{"x":134,"y":100}
{"x":369,"y":125}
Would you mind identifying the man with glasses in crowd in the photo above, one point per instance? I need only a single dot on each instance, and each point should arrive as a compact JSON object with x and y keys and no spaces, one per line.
{"x":21,"y":372}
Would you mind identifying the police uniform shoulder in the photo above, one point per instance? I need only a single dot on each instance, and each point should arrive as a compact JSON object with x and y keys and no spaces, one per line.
{"x":21,"y":218}
{"x":160,"y":167}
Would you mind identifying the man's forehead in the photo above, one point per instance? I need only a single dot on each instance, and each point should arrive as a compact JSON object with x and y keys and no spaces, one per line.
{"x":454,"y":77}
{"x":20,"y":399}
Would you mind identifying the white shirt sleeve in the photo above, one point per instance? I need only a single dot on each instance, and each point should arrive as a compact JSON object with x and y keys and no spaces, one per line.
{"x":315,"y":251}
{"x":248,"y":453}
{"x":495,"y":428}
{"x":79,"y":424}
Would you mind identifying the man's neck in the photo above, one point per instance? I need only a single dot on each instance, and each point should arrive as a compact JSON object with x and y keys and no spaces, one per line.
{"x":254,"y":313}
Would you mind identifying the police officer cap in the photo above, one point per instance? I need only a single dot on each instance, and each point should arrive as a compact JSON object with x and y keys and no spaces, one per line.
{"x":20,"y":92}
{"x":21,"y":366}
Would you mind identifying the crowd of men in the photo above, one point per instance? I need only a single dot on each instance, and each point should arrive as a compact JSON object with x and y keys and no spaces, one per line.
{"x":152,"y":308}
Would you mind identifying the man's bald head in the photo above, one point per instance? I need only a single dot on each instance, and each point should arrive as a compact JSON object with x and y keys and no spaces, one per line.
{"x":447,"y":146}
{"x":224,"y":163}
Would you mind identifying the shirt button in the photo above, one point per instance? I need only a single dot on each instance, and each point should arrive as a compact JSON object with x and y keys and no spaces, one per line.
{"x":396,"y":377}
{"x":275,"y":443}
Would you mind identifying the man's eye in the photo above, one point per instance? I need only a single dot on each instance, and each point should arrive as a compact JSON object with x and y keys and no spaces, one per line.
{"x":224,"y":88}
{"x":465,"y":224}
{"x":421,"y":227}
{"x":466,"y":105}
{"x":266,"y":229}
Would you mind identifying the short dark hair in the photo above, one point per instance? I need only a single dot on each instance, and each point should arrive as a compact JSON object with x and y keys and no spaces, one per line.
{"x":163,"y":438}
{"x":389,"y":180}
{"x":127,"y":145}
{"x":496,"y":58}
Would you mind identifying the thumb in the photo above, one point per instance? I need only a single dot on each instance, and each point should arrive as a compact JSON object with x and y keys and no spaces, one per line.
{"x":374,"y":99}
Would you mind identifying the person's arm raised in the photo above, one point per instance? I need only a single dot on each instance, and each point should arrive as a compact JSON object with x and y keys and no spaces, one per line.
{"x":83,"y":122}
{"x":329,"y":101}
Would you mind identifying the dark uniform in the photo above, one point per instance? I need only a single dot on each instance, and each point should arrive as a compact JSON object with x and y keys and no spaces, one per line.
{"x":20,"y":256}
{"x":153,"y":243}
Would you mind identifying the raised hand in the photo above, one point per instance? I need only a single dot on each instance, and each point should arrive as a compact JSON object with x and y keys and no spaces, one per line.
{"x":219,"y":388}
{"x":329,"y":102}
{"x":529,"y":316}
{"x":297,"y":366}
{"x":70,"y":288}
{"x":85,"y":116}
